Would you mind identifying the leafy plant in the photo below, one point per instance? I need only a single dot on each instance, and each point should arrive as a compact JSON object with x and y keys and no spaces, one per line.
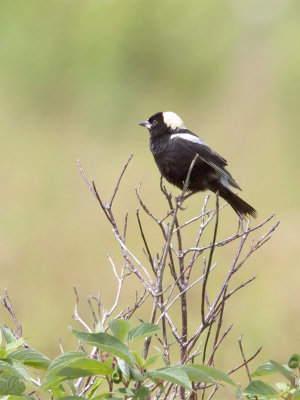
{"x":289,"y":389}
{"x":109,"y":362}
{"x":16,"y":359}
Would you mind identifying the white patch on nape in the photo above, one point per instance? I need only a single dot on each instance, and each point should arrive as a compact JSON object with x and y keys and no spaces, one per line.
{"x":173,"y":120}
{"x":189,"y":137}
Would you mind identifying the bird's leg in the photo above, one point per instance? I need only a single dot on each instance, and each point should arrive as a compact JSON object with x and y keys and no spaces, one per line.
{"x":180,"y":199}
{"x":187,"y":196}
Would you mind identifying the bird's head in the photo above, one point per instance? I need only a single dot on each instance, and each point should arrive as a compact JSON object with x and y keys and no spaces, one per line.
{"x":163,"y":122}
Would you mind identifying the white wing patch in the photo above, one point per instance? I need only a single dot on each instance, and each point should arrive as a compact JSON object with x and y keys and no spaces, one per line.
{"x":189,"y":137}
{"x":173,"y":120}
{"x":225,"y":182}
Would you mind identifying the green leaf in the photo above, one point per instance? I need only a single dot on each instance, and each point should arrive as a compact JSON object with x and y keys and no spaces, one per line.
{"x":129,"y":372}
{"x":10,"y":347}
{"x":31,"y":358}
{"x":213,"y":373}
{"x":120,"y":328}
{"x":143,"y":330}
{"x":70,"y":383}
{"x":3,"y":353}
{"x":15,"y":397}
{"x":164,"y":358}
{"x":175,"y":375}
{"x":75,"y":368}
{"x":270,"y":367}
{"x":14,"y":345}
{"x":52,"y":378}
{"x":11,"y":385}
{"x":110,"y":360}
{"x":140,"y":361}
{"x":124,"y":367}
{"x":8,"y":336}
{"x":103,"y":396}
{"x":142,"y":393}
{"x":296,"y":395}
{"x":136,"y":376}
{"x":259,"y":388}
{"x":196,"y":375}
{"x":106,"y":342}
{"x":151,"y":360}
{"x":71,"y":398}
{"x":58,"y":391}
{"x":124,"y":392}
{"x":85,"y":367}
{"x":97,"y":383}
{"x":14,"y":368}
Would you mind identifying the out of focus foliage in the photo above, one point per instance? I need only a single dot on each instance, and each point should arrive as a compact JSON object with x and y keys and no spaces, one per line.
{"x":76,"y":78}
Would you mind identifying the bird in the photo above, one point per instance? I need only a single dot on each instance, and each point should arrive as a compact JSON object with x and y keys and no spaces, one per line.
{"x":174,"y":148}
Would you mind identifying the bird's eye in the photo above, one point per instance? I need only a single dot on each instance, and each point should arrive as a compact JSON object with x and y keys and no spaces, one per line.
{"x":154,"y":122}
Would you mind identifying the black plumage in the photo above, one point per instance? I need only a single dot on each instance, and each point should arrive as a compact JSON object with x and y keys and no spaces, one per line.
{"x":174,"y":147}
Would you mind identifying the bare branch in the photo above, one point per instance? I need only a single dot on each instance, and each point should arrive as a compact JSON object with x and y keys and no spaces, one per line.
{"x":125,"y":227}
{"x":232,"y":238}
{"x":5,"y":300}
{"x":133,"y":268}
{"x":119,"y":180}
{"x":218,"y":344}
{"x":181,"y":293}
{"x":76,"y":315}
{"x":155,"y":279}
{"x":244,"y":358}
{"x":85,"y":179}
{"x":245,"y":362}
{"x":209,"y":262}
{"x":145,"y":241}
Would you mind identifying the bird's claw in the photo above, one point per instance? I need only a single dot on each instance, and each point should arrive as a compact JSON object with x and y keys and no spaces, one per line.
{"x":179,"y":201}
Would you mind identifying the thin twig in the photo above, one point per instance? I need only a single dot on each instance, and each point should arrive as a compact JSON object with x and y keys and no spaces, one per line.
{"x":152,"y":319}
{"x":209,"y":261}
{"x":125,"y":226}
{"x":134,"y":269}
{"x":218,"y":344}
{"x":76,"y":314}
{"x":245,"y":362}
{"x":169,"y":238}
{"x":231,"y":238}
{"x":119,"y":180}
{"x":181,"y":293}
{"x":244,"y":358}
{"x":144,"y":240}
{"x":8,"y":305}
{"x":174,"y":255}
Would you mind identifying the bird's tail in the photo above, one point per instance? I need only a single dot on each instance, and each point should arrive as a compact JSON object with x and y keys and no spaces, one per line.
{"x":242,"y":208}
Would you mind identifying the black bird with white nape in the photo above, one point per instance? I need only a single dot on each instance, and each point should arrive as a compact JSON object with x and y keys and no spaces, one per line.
{"x":174,"y":147}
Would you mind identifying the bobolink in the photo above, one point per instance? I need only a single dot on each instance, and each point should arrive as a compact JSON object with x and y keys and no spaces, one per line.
{"x":174,"y":147}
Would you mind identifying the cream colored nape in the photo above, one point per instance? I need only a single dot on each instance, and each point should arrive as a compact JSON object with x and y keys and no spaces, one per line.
{"x":173,"y":120}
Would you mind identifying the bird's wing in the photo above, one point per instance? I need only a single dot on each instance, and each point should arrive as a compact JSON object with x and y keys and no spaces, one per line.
{"x":193,"y":144}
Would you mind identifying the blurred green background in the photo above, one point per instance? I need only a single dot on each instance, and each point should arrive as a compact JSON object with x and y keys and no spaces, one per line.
{"x":76,"y":78}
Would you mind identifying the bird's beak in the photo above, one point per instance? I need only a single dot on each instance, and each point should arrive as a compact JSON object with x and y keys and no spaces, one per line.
{"x":146,"y":124}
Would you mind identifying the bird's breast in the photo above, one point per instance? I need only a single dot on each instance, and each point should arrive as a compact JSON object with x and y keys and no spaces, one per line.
{"x":170,"y":167}
{"x":157,"y":147}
